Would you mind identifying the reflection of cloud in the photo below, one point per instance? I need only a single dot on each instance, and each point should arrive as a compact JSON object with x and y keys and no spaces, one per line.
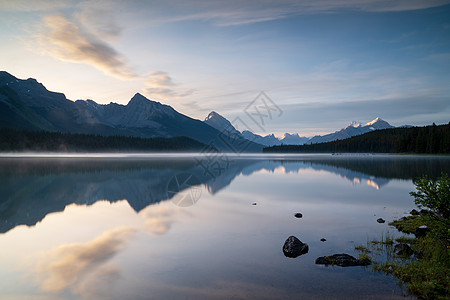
{"x":64,"y":40}
{"x":159,"y":219}
{"x":68,"y":264}
{"x":97,"y":284}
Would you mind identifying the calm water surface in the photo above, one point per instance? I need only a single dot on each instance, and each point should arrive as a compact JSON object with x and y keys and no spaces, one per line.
{"x":169,"y":227}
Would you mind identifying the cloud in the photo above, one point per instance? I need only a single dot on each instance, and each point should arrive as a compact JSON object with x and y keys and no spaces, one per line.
{"x":229,"y":13}
{"x":100,"y":21}
{"x":161,"y":79}
{"x":67,"y":265}
{"x":63,"y":39}
{"x":161,"y":85}
{"x":35,"y":5}
{"x":320,"y":117}
{"x":80,"y":42}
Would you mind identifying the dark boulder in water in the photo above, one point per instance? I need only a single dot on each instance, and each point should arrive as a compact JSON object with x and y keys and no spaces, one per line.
{"x":298,"y":215}
{"x":293,"y":247}
{"x":380,"y":220}
{"x":414,"y":212}
{"x":422,"y":231}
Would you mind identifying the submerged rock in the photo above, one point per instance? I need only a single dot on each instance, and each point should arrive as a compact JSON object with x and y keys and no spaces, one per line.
{"x":342,"y":260}
{"x":403,"y":249}
{"x":293,"y":247}
{"x":298,"y":215}
{"x":380,"y":220}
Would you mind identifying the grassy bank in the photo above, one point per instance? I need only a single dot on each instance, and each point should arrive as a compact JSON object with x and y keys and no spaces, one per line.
{"x":421,"y":259}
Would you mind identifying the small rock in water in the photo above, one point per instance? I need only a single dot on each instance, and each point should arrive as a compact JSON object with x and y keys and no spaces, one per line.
{"x":342,"y":260}
{"x":254,"y":203}
{"x":422,"y":231}
{"x":323,"y":239}
{"x":414,"y":212}
{"x":380,"y":220}
{"x":293,"y":247}
{"x":424,"y":212}
{"x":298,"y":215}
{"x":403,"y":249}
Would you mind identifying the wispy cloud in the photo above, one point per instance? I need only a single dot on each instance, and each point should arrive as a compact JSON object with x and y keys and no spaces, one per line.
{"x":161,"y":85}
{"x":226,"y":13}
{"x":83,"y":39}
{"x":68,"y":264}
{"x":64,"y":40}
{"x":35,"y":5}
{"x":102,"y":22}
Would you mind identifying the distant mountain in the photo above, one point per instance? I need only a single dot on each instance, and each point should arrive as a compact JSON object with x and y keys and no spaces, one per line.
{"x":434,"y":139}
{"x":271,"y":140}
{"x":27,"y":104}
{"x":220,"y":123}
{"x":353,"y":129}
{"x":294,"y":139}
{"x":268,"y":140}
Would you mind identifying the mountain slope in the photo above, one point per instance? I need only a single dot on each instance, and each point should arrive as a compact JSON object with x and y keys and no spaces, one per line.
{"x":218,"y":122}
{"x":27,"y":104}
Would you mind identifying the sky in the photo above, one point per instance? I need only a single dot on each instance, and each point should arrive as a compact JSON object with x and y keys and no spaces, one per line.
{"x":320,"y":64}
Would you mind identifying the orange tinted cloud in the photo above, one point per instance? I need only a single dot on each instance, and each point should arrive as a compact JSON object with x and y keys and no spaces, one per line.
{"x":65,"y":40}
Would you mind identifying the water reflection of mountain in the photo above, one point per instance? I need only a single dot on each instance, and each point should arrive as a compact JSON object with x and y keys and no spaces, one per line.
{"x":30,"y":188}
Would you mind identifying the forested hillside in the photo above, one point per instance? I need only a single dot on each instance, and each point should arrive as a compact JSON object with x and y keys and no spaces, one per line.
{"x":43,"y":141}
{"x":432,"y":139}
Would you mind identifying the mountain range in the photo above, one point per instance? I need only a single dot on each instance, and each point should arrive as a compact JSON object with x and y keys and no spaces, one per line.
{"x":27,"y":104}
{"x":353,"y":129}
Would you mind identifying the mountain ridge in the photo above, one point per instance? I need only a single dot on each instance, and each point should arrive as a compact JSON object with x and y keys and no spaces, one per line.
{"x":353,"y":129}
{"x":27,"y":104}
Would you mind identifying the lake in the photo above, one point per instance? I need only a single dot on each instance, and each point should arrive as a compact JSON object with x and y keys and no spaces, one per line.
{"x":198,"y":227}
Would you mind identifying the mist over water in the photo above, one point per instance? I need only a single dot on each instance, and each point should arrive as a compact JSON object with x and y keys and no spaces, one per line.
{"x":166,"y":226}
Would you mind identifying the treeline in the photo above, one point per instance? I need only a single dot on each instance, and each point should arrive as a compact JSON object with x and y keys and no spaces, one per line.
{"x":12,"y":140}
{"x":432,"y":139}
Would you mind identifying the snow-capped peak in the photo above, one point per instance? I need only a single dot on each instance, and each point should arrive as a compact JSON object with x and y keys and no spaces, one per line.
{"x":374,"y":121}
{"x":354,"y":124}
{"x":290,"y":135}
{"x":213,"y":115}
